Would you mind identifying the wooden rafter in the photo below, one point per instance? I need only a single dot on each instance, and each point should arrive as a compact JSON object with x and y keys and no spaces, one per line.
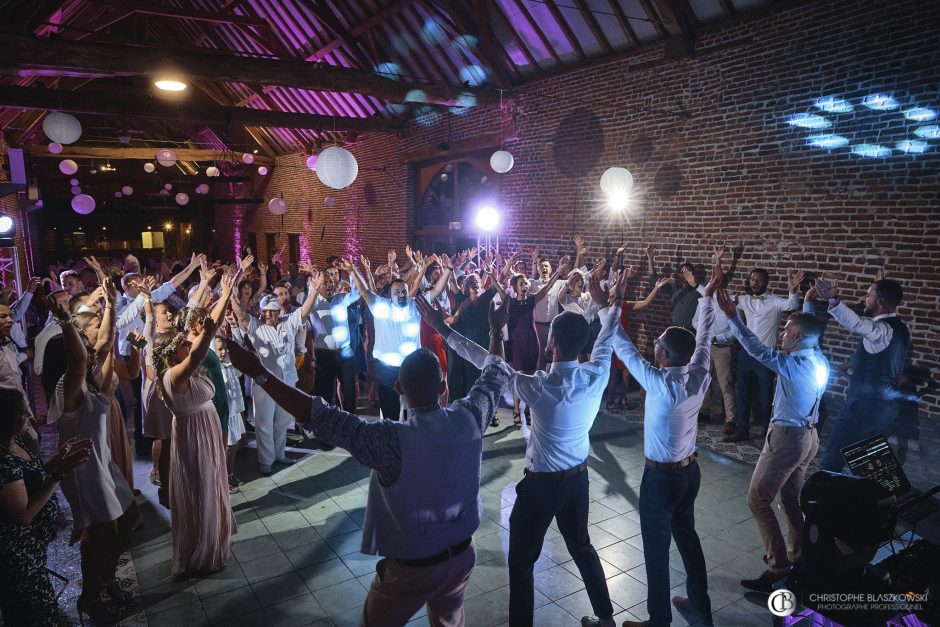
{"x":379,"y":17}
{"x":624,"y":22}
{"x":538,"y":31}
{"x":680,"y":22}
{"x":182,"y":154}
{"x":111,"y":103}
{"x":476,"y":26}
{"x":593,"y":24}
{"x":565,"y":28}
{"x":520,"y":43}
{"x":29,"y":56}
{"x":654,"y":16}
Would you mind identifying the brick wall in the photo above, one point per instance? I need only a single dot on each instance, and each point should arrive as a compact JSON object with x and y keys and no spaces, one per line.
{"x":731,"y":172}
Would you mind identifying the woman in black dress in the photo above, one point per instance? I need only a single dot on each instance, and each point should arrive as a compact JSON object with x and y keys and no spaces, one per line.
{"x":28,"y":511}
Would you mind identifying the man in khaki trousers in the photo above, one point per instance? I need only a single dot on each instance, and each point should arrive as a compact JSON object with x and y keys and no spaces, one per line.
{"x":792,"y":441}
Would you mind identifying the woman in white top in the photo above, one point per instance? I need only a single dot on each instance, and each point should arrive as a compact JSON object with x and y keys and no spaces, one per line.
{"x":573,"y":297}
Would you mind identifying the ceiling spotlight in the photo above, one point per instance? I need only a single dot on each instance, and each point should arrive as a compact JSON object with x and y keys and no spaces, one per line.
{"x":167,"y":84}
{"x":167,"y":226}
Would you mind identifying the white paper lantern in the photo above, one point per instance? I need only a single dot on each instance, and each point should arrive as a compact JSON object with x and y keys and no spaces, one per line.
{"x":164,"y":192}
{"x":168,"y":186}
{"x":61,"y":127}
{"x":127,"y":190}
{"x":329,"y":201}
{"x":312,"y":163}
{"x":616,"y":182}
{"x":277,"y":206}
{"x":149,"y":167}
{"x":55,"y":148}
{"x":202,"y":188}
{"x":337,"y":167}
{"x":166,"y":157}
{"x":76,"y":190}
{"x":73,"y":182}
{"x":182,"y":198}
{"x":248,"y":158}
{"x":501,"y":161}
{"x":67,"y":166}
{"x":83,"y":204}
{"x":212,"y":171}
{"x":263,"y":171}
{"x":118,"y":195}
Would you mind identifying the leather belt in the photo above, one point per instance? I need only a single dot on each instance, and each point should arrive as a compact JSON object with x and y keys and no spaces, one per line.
{"x":543,"y":324}
{"x":561,"y":473}
{"x":444,"y":555}
{"x":672,"y":465}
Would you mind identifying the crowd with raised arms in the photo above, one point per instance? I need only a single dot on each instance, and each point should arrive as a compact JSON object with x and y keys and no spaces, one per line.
{"x":184,"y":362}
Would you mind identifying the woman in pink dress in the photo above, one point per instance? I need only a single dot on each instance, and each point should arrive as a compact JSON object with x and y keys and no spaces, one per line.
{"x":203,"y":523}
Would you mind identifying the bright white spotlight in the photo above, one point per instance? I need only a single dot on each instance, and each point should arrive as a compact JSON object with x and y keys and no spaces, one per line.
{"x":6,"y":225}
{"x":618,"y":201}
{"x":487,"y":219}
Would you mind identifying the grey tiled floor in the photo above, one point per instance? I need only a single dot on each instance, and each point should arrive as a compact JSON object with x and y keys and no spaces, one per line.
{"x":296,"y":560}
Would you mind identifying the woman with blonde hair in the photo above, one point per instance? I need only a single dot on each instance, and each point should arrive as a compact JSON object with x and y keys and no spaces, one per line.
{"x":203,"y":523}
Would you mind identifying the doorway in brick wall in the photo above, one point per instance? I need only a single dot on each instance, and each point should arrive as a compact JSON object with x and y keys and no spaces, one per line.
{"x":446,"y":194}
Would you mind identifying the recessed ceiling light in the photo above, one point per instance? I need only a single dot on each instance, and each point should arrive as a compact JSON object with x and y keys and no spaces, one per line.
{"x":169,"y":85}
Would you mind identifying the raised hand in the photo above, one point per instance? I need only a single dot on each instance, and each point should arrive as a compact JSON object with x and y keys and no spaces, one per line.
{"x":306,"y":267}
{"x":245,"y":263}
{"x":621,"y":249}
{"x":717,"y":279}
{"x":628,"y":273}
{"x":148,"y":285}
{"x":827,"y":289}
{"x":688,"y":277}
{"x":245,"y":359}
{"x":228,"y":283}
{"x":431,"y":315}
{"x":366,"y":263}
{"x":879,"y":274}
{"x":409,"y":253}
{"x":110,"y":294}
{"x":499,"y":316}
{"x":794,"y":280}
{"x":811,"y":294}
{"x":579,"y":244}
{"x":726,"y":303}
{"x":663,"y":282}
{"x":94,"y":265}
{"x":720,"y":253}
{"x":598,"y":295}
{"x":599,"y":265}
{"x":262,"y":266}
{"x":33,"y":284}
{"x":392,"y":256}
{"x":446,"y":262}
{"x":534,"y":253}
{"x":70,"y":455}
{"x":345,"y":264}
{"x":650,"y":250}
{"x":315,"y":280}
{"x":563,"y":265}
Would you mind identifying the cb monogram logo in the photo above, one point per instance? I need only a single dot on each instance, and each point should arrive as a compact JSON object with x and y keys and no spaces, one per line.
{"x":781,"y":602}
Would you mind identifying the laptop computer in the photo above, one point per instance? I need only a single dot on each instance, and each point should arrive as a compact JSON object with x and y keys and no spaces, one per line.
{"x":873,"y":458}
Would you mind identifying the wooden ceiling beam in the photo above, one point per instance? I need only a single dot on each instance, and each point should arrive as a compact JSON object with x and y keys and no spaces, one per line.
{"x":31,"y":56}
{"x":378,"y":18}
{"x":143,"y":154}
{"x":680,"y":21}
{"x":535,"y":27}
{"x":507,"y":24}
{"x":594,"y":25}
{"x":164,"y":10}
{"x":624,"y":22}
{"x":565,"y":28}
{"x":108,"y":103}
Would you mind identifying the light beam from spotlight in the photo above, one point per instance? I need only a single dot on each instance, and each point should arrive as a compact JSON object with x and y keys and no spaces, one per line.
{"x":487,"y":219}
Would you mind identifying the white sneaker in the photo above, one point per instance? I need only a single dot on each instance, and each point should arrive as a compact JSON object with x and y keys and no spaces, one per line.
{"x":285,"y":461}
{"x":265,"y":470}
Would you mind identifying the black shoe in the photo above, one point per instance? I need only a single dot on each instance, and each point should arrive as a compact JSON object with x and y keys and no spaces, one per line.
{"x":689,"y":613}
{"x":765,"y":583}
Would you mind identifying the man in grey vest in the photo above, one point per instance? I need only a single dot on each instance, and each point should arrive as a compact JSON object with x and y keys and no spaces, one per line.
{"x":872,"y":401}
{"x":424,"y":494}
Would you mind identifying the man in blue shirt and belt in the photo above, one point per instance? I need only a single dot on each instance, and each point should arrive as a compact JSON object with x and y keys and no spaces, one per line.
{"x":792,"y":441}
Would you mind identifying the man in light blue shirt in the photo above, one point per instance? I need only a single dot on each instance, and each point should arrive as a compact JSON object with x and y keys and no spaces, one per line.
{"x":792,"y":441}
{"x":675,"y":388}
{"x":564,"y":403}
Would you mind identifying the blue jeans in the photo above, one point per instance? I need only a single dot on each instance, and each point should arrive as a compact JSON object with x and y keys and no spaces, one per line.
{"x":859,"y":419}
{"x":540,"y":498}
{"x":667,"y":503}
{"x":752,"y":374}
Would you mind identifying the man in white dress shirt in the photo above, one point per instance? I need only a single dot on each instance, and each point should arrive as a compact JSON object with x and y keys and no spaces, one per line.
{"x":762,"y":312}
{"x":675,"y":388}
{"x":274,"y":342}
{"x":564,"y":403}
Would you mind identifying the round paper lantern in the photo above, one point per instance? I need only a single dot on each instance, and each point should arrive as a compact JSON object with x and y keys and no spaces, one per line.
{"x":202,"y":188}
{"x":212,"y":171}
{"x":616,"y":182}
{"x":67,"y":166}
{"x":73,"y":182}
{"x":168,"y":186}
{"x":118,"y":195}
{"x":329,"y":201}
{"x":83,"y":204}
{"x":164,"y":192}
{"x":312,"y":163}
{"x":277,"y":206}
{"x":444,"y":177}
{"x":55,"y":147}
{"x":76,"y":190}
{"x":262,"y":170}
{"x":182,"y":199}
{"x":248,"y":158}
{"x":166,"y":157}
{"x":127,"y":190}
{"x":149,"y":167}
{"x":337,"y":167}
{"x":61,"y":127}
{"x":501,"y":161}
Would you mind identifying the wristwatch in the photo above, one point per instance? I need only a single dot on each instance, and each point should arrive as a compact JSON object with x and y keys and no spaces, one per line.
{"x":261,"y":379}
{"x":833,"y":301}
